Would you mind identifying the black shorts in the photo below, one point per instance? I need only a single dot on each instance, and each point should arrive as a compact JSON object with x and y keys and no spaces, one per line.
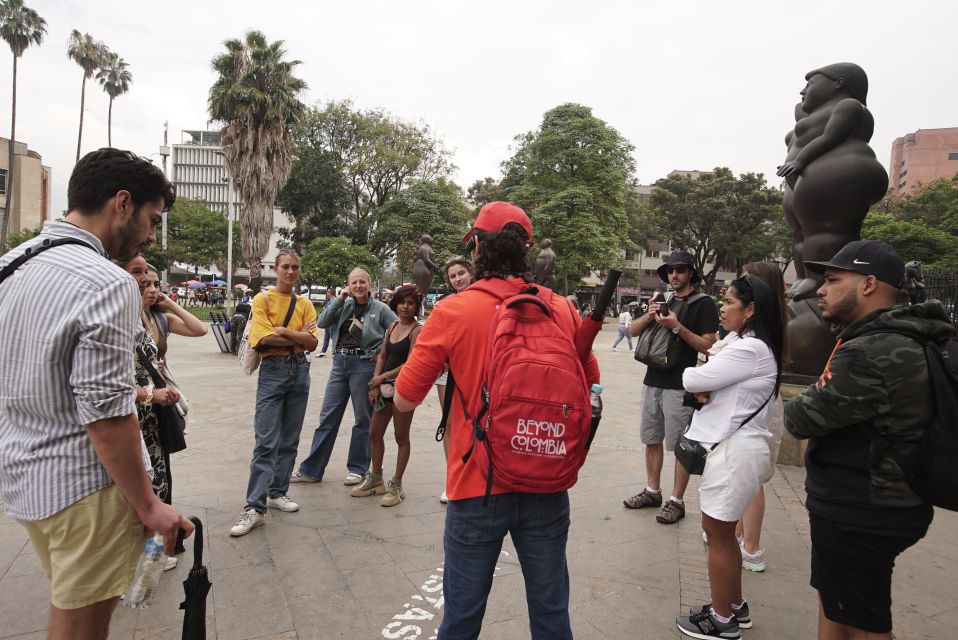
{"x":851,"y":569}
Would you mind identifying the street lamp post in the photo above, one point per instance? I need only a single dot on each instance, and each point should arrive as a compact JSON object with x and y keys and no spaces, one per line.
{"x":165,"y":153}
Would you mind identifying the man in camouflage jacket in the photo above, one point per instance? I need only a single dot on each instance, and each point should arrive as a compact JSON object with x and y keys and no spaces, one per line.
{"x":868,"y":409}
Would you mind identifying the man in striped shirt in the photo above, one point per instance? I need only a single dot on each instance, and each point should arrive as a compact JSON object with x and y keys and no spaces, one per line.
{"x":71,"y":469}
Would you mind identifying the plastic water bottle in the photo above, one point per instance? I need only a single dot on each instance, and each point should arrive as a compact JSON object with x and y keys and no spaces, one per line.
{"x":595,"y":399}
{"x":149,"y":570}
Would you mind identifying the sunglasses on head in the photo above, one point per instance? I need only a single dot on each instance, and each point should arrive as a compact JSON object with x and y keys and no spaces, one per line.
{"x":677,"y":269}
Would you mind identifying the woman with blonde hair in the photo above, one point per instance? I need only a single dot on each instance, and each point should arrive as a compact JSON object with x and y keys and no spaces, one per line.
{"x":359,"y":324}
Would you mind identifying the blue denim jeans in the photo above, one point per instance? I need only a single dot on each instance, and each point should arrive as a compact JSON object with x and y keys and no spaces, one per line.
{"x":624,"y":332}
{"x":327,"y":335}
{"x":348,"y":379}
{"x":539,"y":526}
{"x":281,"y":395}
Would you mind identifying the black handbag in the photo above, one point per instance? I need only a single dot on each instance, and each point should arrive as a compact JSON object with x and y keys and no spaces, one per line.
{"x":691,"y":454}
{"x":171,"y":424}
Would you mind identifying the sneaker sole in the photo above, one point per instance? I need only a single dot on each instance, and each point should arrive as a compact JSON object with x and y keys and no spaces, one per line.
{"x":727,"y":635}
{"x":375,"y":491}
{"x":352,"y":483}
{"x":662,"y":520}
{"x":402,"y":496}
{"x":243,"y":533}
{"x":303,"y":480}
{"x":757,"y":567}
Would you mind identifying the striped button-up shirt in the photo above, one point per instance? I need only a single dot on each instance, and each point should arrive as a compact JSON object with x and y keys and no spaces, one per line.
{"x":69,"y":321}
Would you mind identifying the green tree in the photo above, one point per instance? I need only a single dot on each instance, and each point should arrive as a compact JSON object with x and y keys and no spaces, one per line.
{"x":18,"y":238}
{"x":20,"y":27}
{"x":115,"y":78}
{"x":719,"y":218}
{"x":328,"y":261}
{"x":377,"y":154}
{"x":196,"y":234}
{"x":572,"y":175}
{"x":431,"y":207}
{"x":256,"y":96}
{"x":936,"y":205}
{"x":482,"y":192}
{"x":914,"y":239}
{"x":89,"y":54}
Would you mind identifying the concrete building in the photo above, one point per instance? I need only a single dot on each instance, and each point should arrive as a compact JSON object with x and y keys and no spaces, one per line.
{"x":199,"y":171}
{"x":31,"y":196}
{"x":921,"y":158}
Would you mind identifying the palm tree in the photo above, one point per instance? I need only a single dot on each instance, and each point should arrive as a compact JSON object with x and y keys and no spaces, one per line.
{"x":115,"y":80}
{"x":20,"y":27}
{"x":256,"y":97}
{"x":89,"y":54}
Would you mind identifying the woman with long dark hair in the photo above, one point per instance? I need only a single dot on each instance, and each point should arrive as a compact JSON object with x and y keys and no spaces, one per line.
{"x":736,"y":388}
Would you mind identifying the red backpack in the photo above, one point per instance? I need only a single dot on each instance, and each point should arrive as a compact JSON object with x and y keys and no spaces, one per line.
{"x":533,"y":417}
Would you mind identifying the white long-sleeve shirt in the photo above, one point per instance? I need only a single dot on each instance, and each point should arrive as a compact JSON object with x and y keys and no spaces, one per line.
{"x":739,"y":379}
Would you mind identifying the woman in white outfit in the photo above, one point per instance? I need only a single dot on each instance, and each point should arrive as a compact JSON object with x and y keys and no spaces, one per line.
{"x":736,"y":387}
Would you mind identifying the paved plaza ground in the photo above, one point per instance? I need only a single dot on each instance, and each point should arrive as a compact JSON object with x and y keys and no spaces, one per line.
{"x":346,"y":567}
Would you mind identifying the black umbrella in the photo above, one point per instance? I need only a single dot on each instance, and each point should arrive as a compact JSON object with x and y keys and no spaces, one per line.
{"x":196,"y":586}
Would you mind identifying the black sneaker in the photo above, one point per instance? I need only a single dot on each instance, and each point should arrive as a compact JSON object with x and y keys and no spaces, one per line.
{"x":704,"y":625}
{"x":741,"y":613}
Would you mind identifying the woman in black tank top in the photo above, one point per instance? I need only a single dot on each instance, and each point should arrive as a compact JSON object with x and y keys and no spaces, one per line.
{"x":397,"y":345}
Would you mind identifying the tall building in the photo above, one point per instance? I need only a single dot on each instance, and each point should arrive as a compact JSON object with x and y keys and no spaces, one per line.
{"x":31,"y":197}
{"x":199,"y":171}
{"x":921,"y":158}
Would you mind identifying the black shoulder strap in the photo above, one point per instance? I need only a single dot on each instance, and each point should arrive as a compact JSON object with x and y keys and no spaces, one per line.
{"x":289,"y":312}
{"x":40,"y":248}
{"x":749,"y":419}
{"x":158,"y":380}
{"x":446,"y":406}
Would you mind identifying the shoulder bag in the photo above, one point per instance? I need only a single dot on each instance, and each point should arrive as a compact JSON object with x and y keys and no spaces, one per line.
{"x":691,"y":454}
{"x":172,"y":424}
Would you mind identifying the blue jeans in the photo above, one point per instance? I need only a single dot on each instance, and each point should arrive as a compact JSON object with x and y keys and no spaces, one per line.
{"x":281,"y":395}
{"x":624,"y":332}
{"x":327,"y":334}
{"x":348,"y":378}
{"x":539,"y":526}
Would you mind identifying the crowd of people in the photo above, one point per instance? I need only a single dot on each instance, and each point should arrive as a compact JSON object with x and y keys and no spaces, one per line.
{"x":88,"y":417}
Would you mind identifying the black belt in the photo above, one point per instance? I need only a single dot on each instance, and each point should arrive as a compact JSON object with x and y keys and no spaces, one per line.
{"x":287,"y":356}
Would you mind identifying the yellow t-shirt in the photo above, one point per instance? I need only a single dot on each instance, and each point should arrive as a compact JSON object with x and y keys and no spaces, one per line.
{"x":262,"y":323}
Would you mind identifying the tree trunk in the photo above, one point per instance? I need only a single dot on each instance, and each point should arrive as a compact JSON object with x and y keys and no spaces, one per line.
{"x":255,"y":275}
{"x":82,"y":100}
{"x":13,"y":139}
{"x":109,"y":125}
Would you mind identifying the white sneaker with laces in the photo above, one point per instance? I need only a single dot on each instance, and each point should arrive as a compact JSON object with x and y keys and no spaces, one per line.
{"x":443,"y":498}
{"x":753,"y":561}
{"x":352,"y":478}
{"x":283,"y":503}
{"x":170,"y":563}
{"x":250,"y":519}
{"x":299,"y":476}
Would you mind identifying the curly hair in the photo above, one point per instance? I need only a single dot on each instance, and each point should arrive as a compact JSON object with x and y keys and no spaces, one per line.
{"x":406,"y":291}
{"x":504,"y":253}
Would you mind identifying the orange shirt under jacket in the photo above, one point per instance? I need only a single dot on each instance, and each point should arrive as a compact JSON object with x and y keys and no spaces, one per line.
{"x":457,"y":332}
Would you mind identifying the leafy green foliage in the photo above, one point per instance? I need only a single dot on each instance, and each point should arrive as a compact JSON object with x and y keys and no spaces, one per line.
{"x":18,"y":238}
{"x":482,"y":192}
{"x":430,"y":207}
{"x":719,"y":218}
{"x":572,"y":176}
{"x":328,"y":261}
{"x":196,"y":235}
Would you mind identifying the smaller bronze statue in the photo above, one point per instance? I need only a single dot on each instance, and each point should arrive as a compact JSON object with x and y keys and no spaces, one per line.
{"x":546,"y":265}
{"x":913,"y":289}
{"x":425,"y":266}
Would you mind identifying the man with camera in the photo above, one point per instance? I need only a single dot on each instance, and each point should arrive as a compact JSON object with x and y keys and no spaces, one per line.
{"x":687,"y":322}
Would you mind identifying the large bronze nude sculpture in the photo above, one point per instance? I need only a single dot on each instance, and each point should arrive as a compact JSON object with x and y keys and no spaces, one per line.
{"x":425,"y":265}
{"x":832,"y":179}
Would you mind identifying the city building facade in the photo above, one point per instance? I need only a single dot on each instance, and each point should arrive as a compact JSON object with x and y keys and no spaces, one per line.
{"x":32,"y":180}
{"x":922,"y":157}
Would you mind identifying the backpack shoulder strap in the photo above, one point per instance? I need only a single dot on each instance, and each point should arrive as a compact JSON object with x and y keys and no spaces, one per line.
{"x":32,"y":252}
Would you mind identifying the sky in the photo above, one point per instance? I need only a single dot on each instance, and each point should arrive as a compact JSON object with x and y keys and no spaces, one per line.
{"x":692,"y":85}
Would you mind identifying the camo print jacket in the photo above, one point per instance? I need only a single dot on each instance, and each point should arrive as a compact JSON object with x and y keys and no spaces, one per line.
{"x":869,"y":407}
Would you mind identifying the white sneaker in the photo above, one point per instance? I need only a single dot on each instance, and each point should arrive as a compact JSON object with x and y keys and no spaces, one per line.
{"x":299,"y":476}
{"x":250,"y":519}
{"x":170,"y":563}
{"x":321,"y":354}
{"x":753,"y":561}
{"x":612,"y":349}
{"x":283,"y":503}
{"x":443,"y":498}
{"x":352,"y":478}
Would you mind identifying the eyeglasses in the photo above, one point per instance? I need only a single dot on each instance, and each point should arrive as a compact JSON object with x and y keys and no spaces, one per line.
{"x":677,"y":269}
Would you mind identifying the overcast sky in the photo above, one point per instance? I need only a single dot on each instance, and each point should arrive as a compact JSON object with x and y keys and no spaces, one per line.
{"x":692,"y":85}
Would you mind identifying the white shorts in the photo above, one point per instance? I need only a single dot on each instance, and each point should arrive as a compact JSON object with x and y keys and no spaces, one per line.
{"x":733,"y":474}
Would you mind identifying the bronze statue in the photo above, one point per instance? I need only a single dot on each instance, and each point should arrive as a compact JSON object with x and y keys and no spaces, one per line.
{"x":546,"y":265}
{"x":913,"y":290}
{"x":425,"y":266}
{"x":832,"y":178}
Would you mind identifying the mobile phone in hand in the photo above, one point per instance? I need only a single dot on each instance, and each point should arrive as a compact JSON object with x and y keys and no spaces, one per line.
{"x":663,"y":300}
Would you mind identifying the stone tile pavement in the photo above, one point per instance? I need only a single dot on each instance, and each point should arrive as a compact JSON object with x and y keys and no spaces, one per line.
{"x":347,"y":568}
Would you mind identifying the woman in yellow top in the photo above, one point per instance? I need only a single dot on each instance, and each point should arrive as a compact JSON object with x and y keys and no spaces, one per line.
{"x":283,"y":330}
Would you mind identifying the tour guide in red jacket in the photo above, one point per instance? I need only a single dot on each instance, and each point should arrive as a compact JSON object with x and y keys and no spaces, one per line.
{"x":457,"y":333}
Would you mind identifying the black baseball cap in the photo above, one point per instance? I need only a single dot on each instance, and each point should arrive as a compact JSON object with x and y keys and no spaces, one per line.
{"x":869,"y":258}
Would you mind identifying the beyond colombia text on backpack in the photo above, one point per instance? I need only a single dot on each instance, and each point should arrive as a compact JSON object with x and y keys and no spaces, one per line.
{"x":533,"y":417}
{"x":657,"y":346}
{"x":932,"y":472}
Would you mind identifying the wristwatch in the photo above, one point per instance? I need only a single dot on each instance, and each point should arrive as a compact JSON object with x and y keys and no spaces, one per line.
{"x":676,"y":329}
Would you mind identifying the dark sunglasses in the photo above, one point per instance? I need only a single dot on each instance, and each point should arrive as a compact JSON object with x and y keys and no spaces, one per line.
{"x":678,"y":269}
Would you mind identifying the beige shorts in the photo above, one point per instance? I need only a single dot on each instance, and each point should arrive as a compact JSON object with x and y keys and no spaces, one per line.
{"x":90,"y":549}
{"x":663,"y":418}
{"x":733,"y":475}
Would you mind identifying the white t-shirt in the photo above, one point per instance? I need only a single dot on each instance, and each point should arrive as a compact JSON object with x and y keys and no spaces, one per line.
{"x":739,"y":378}
{"x":625,"y":318}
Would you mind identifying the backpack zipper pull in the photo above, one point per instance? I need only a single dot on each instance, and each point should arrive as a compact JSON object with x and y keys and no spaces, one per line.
{"x":565,"y":411}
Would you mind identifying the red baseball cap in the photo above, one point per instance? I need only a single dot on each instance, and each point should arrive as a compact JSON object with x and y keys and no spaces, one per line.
{"x":496,"y":215}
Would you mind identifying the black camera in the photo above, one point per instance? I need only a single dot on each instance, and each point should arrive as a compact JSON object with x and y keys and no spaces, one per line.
{"x":688,"y":400}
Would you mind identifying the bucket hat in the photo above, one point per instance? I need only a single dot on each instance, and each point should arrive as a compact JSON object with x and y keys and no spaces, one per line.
{"x":679,"y":258}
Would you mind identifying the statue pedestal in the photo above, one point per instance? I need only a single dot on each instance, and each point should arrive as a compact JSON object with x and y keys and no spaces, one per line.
{"x":792,"y":450}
